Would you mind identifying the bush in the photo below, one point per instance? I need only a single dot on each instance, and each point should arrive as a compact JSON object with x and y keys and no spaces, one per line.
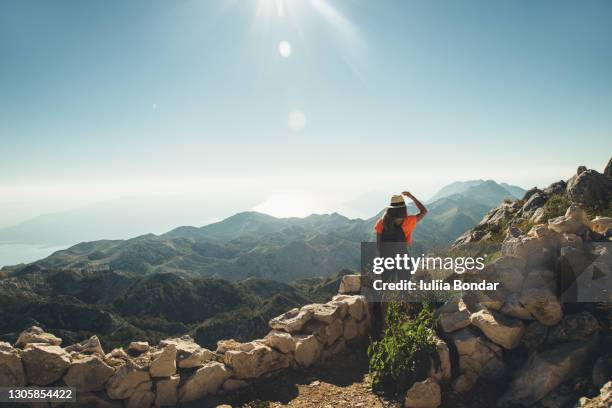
{"x":555,"y":207}
{"x":404,"y":353}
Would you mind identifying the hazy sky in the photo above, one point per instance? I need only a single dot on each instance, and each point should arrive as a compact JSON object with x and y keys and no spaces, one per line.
{"x":101,"y":99}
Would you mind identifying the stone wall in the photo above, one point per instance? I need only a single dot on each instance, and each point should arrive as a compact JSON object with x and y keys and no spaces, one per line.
{"x":179,"y":370}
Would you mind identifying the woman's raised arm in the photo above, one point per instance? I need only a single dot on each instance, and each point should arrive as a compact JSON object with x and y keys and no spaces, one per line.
{"x":420,"y":206}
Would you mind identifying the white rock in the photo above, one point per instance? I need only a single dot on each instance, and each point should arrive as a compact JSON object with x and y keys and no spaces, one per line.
{"x":37,"y":335}
{"x":166,"y":391}
{"x":351,"y":329}
{"x":307,"y":349}
{"x":505,"y":331}
{"x":206,"y":380}
{"x":138,"y":346}
{"x":280,"y":341}
{"x":292,"y":321}
{"x":189,"y":354}
{"x":357,"y":305}
{"x":44,"y":364}
{"x":350,"y":284}
{"x":12,"y":373}
{"x":89,"y":346}
{"x":164,"y":362}
{"x":256,"y":362}
{"x":88,"y":373}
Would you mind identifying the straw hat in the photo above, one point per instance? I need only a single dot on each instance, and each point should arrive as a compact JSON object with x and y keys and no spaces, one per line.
{"x":397,"y":201}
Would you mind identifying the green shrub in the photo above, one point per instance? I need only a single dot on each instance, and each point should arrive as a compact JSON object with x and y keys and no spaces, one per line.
{"x":404,"y":353}
{"x":555,"y":206}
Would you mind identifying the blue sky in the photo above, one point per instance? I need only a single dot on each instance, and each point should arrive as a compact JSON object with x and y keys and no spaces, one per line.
{"x":109,"y":98}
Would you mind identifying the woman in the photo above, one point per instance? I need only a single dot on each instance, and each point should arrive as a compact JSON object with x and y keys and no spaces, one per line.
{"x":394,"y":232}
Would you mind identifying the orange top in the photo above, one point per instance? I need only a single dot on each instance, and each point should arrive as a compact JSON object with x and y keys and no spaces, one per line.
{"x":408,"y":225}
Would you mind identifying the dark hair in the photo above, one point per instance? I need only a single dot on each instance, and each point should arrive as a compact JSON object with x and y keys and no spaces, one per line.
{"x":393,"y":213}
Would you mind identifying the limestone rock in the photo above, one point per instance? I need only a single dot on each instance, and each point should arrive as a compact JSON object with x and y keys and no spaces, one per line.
{"x":280,"y":341}
{"x":256,"y":362}
{"x":478,"y":355}
{"x":337,"y":347}
{"x":545,"y":371}
{"x":424,"y":394}
{"x":44,"y":363}
{"x":89,"y":346}
{"x":138,"y":347}
{"x":327,"y":312}
{"x":37,"y":335}
{"x":231,"y":385}
{"x":166,"y":391}
{"x":223,"y":346}
{"x":454,"y":321}
{"x":12,"y":373}
{"x":88,"y":373}
{"x":292,"y":321}
{"x":536,"y":248}
{"x":189,"y":354}
{"x":506,"y":332}
{"x":350,"y":284}
{"x":539,"y":298}
{"x":206,"y":380}
{"x":357,"y":305}
{"x":333,"y":331}
{"x":126,"y":381}
{"x":307,"y":349}
{"x":574,"y":221}
{"x":164,"y":362}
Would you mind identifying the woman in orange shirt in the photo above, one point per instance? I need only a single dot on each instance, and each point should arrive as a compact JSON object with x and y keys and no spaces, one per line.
{"x":394,"y":229}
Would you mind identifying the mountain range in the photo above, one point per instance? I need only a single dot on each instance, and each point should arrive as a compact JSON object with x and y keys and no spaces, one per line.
{"x":222,"y":280}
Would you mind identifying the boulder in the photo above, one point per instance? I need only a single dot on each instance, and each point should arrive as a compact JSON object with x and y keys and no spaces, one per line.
{"x":333,"y":331}
{"x":350,"y":284}
{"x":292,"y":321}
{"x":142,"y":397}
{"x":544,"y":371}
{"x":512,"y":307}
{"x":44,"y":364}
{"x":424,"y":394}
{"x":539,"y":298}
{"x":505,"y":331}
{"x":454,"y":321}
{"x":163,"y":362}
{"x":126,"y":381}
{"x":138,"y":347}
{"x":603,"y":400}
{"x":328,"y":312}
{"x":574,"y":221}
{"x":12,"y":373}
{"x":189,"y":354}
{"x":307,"y":349}
{"x":590,"y":189}
{"x":478,"y":355}
{"x":256,"y":362}
{"x":464,"y":382}
{"x":601,"y":225}
{"x":206,"y":380}
{"x":357,"y":305}
{"x":231,"y":385}
{"x":89,"y":346}
{"x":223,"y":346}
{"x":578,"y":326}
{"x":539,"y":247}
{"x":166,"y":391}
{"x":280,"y":341}
{"x":37,"y":335}
{"x":88,"y":373}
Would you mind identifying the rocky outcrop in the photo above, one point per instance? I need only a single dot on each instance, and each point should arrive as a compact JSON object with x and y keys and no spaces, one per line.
{"x":502,"y":330}
{"x":88,"y":373}
{"x":603,"y":400}
{"x":206,"y":380}
{"x":37,"y":335}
